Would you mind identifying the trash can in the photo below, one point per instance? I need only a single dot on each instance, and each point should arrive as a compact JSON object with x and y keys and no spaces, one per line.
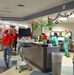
{"x":56,"y":63}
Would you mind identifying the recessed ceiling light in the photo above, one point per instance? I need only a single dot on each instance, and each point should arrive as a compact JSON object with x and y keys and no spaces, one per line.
{"x":20,"y":5}
{"x":35,"y":20}
{"x":6,"y":22}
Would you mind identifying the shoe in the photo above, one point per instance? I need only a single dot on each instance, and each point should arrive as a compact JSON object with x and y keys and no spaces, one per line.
{"x":68,"y":56}
{"x":7,"y":64}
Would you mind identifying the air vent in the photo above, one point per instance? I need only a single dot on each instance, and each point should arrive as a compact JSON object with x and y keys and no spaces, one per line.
{"x":20,"y":5}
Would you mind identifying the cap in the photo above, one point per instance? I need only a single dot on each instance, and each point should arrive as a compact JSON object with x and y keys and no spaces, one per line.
{"x":6,"y":31}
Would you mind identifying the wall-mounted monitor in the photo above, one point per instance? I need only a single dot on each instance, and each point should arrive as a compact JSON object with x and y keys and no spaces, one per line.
{"x":24,"y":32}
{"x":60,"y":38}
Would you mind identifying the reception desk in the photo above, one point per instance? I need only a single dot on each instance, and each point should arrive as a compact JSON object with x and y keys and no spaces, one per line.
{"x":40,"y":56}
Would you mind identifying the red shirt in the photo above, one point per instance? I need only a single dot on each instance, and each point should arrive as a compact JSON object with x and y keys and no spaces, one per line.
{"x":14,"y":36}
{"x":7,"y":40}
{"x":45,"y":37}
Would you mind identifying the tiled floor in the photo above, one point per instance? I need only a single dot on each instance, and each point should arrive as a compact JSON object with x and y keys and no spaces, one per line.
{"x":67,"y":66}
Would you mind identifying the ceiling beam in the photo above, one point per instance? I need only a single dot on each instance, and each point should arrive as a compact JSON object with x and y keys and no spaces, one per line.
{"x":63,"y":7}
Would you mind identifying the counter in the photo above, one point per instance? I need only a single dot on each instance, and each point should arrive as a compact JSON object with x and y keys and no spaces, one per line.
{"x":40,"y":56}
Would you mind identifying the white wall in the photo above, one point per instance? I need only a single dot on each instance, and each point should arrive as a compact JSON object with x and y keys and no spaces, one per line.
{"x":37,"y":32}
{"x":1,"y":31}
{"x":62,"y":27}
{"x":6,"y":27}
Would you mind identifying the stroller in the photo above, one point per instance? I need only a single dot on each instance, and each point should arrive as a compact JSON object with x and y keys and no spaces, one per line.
{"x":22,"y":63}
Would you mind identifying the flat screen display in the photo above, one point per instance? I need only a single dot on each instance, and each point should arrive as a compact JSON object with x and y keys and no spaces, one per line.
{"x":24,"y":32}
{"x":60,"y":38}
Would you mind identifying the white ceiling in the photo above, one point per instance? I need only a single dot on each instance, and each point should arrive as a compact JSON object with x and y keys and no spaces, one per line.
{"x":10,"y":8}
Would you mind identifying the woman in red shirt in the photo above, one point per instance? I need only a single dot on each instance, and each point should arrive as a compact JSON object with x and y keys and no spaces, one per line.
{"x":7,"y":44}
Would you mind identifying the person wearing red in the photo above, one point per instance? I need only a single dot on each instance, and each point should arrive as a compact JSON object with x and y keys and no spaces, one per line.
{"x":15,"y":35}
{"x":7,"y":44}
{"x":44,"y":36}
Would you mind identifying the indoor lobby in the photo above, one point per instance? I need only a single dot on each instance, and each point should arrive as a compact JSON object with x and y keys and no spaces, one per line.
{"x":35,"y":24}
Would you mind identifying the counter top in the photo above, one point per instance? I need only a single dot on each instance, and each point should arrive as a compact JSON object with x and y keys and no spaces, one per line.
{"x":31,"y":43}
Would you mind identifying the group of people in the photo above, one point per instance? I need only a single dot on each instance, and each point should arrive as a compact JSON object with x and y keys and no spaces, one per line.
{"x":55,"y":41}
{"x":9,"y":41}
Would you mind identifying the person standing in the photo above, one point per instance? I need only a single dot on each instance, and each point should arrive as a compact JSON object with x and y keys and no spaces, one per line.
{"x":7,"y":45}
{"x":55,"y":41}
{"x":66,"y":43}
{"x":15,"y":35}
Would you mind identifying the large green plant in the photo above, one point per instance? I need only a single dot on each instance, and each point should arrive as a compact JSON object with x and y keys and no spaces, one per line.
{"x":49,"y":25}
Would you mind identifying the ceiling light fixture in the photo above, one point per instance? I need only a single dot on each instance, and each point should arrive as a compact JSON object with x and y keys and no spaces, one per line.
{"x":6,"y":22}
{"x":72,"y":15}
{"x":35,"y":20}
{"x":45,"y":18}
{"x":62,"y":18}
{"x":20,"y":24}
{"x":14,"y":24}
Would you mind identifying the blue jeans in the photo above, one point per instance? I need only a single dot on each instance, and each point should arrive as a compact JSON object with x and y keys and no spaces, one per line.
{"x":7,"y":53}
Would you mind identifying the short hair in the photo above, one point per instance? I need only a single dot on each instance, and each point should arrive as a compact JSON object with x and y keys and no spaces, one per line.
{"x":55,"y":34}
{"x":42,"y":33}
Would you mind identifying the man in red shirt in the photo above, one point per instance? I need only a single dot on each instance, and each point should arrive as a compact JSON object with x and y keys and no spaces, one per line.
{"x":15,"y":35}
{"x":7,"y":44}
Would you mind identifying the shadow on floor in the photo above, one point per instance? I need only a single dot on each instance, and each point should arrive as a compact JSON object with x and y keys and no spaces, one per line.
{"x":3,"y":66}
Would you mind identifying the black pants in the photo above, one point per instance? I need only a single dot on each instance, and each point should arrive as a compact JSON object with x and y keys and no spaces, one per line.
{"x":14,"y":45}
